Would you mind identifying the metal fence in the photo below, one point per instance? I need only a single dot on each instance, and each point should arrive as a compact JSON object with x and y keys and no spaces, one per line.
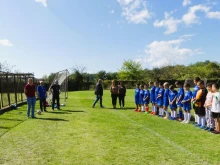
{"x":12,"y":88}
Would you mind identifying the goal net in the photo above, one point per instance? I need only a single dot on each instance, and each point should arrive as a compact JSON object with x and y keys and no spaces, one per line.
{"x":191,"y":81}
{"x":62,"y":78}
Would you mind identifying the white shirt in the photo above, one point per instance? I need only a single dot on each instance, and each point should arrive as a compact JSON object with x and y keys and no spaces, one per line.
{"x":216,"y":102}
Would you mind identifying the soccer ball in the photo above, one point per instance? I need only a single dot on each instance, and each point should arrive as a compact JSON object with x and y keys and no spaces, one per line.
{"x":39,"y":112}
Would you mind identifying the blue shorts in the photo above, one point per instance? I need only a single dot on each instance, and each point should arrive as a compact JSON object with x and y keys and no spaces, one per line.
{"x":152,"y":99}
{"x":179,"y":104}
{"x":146,"y":102}
{"x":173,"y":106}
{"x":187,"y":107}
{"x":159,"y":102}
{"x":166,"y":103}
{"x":141,"y":101}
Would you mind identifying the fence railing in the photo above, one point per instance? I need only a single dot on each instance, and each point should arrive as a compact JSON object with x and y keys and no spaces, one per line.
{"x":12,"y":88}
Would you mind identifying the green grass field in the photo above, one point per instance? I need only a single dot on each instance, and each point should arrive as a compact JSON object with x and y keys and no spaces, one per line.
{"x":79,"y":134}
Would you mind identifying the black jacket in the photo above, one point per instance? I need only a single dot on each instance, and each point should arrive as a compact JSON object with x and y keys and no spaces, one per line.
{"x":122,"y":90}
{"x":99,"y":89}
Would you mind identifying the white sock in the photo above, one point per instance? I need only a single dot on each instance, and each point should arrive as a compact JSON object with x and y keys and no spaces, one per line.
{"x":162,"y":111}
{"x":167,"y":113}
{"x":153,"y":108}
{"x":174,"y":114}
{"x":189,"y":116}
{"x":185,"y":116}
{"x":203,"y":121}
{"x":199,"y":120}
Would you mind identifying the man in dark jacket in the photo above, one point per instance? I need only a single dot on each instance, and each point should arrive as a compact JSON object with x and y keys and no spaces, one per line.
{"x":98,"y":93}
{"x":122,"y":94}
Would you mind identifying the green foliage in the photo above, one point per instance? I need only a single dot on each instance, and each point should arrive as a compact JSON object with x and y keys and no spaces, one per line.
{"x":130,"y":70}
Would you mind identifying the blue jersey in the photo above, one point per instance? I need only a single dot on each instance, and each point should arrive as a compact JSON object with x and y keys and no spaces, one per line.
{"x":172,"y":95}
{"x":141,"y":97}
{"x":187,"y":96}
{"x":160,"y":99}
{"x":180,"y":94}
{"x":156,"y":93}
{"x":195,"y":90}
{"x":152,"y":94}
{"x":146,"y":95}
{"x":136,"y":95}
{"x":165,"y":97}
{"x":41,"y":91}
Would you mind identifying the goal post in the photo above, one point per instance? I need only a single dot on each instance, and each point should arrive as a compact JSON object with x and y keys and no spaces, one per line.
{"x":62,"y":78}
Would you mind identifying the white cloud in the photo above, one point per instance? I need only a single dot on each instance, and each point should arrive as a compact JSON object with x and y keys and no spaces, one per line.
{"x":5,"y":42}
{"x":44,"y":2}
{"x":191,"y":17}
{"x":169,"y":23}
{"x":160,"y":53}
{"x":213,"y":15}
{"x":112,"y":12}
{"x":186,"y":2}
{"x":135,"y":11}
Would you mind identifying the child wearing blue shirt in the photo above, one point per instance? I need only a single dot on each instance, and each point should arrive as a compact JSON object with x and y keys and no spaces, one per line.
{"x":187,"y":103}
{"x":160,"y":100}
{"x":165,"y":99}
{"x":146,"y":98}
{"x":179,"y":99}
{"x":136,"y":97}
{"x":152,"y":96}
{"x":172,"y":101}
{"x":157,"y":88}
{"x":141,"y":99}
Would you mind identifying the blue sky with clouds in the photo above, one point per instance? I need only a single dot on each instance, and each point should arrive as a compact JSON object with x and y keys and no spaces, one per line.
{"x":44,"y":36}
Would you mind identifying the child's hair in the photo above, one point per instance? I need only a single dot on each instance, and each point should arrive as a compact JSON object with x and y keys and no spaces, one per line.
{"x":187,"y":85}
{"x":171,"y":87}
{"x":156,"y":82}
{"x":197,"y":79}
{"x":209,"y":85}
{"x":216,"y":85}
{"x":138,"y":85}
{"x":166,"y":84}
{"x":161,"y":84}
{"x":151,"y":83}
{"x":141,"y":86}
{"x":146,"y":85}
{"x":178,"y":83}
{"x":201,"y":82}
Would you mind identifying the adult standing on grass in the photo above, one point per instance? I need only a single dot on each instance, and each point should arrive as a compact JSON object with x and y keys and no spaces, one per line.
{"x":42,"y":95}
{"x":122,"y":94}
{"x":55,"y":90}
{"x":114,"y":93}
{"x":98,"y":93}
{"x":29,"y":91}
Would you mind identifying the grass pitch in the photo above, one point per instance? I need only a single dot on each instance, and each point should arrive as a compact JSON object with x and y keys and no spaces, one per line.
{"x":79,"y":134}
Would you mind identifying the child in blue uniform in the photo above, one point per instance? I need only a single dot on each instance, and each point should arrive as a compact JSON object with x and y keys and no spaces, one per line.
{"x":157,"y":88}
{"x":165,"y":99}
{"x":179,"y":99}
{"x":136,"y":97}
{"x":160,"y":100}
{"x":146,"y":98}
{"x":172,"y":101}
{"x":152,"y":96}
{"x":195,"y":90}
{"x":141,"y":99}
{"x":187,"y":103}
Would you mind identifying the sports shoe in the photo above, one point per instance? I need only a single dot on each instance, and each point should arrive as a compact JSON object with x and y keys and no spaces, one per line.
{"x":197,"y":125}
{"x":202,"y":127}
{"x":93,"y":106}
{"x":102,"y":106}
{"x":139,"y":110}
{"x":165,"y":117}
{"x":180,"y":119}
{"x":187,"y":121}
{"x":183,"y":121}
{"x":154,"y":113}
{"x":210,"y":130}
{"x":135,"y":110}
{"x":206,"y":128}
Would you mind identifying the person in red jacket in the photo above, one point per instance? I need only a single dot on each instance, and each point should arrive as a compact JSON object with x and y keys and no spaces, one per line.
{"x":29,"y":91}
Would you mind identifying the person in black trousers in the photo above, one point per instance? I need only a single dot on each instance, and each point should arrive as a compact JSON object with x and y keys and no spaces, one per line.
{"x":122,"y":94}
{"x":42,"y":95}
{"x":98,"y":93}
{"x":55,"y":90}
{"x":114,"y":94}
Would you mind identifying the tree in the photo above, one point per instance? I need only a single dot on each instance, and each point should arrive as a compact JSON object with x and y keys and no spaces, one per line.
{"x":5,"y":67}
{"x":101,"y":75}
{"x":130,"y":70}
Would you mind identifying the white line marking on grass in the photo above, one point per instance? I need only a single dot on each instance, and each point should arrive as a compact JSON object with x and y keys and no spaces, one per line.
{"x":187,"y":152}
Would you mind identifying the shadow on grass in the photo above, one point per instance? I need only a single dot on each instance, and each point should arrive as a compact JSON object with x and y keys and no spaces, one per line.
{"x":60,"y":112}
{"x":51,"y":119}
{"x":11,"y":119}
{"x":5,"y":127}
{"x":74,"y":111}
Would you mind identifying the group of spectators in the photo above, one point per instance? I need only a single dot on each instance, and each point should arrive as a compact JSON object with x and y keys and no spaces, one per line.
{"x":117,"y":92}
{"x":32,"y":93}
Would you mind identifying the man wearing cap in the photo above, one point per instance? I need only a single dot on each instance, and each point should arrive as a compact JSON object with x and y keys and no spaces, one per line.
{"x":42,"y":95}
{"x":55,"y":90}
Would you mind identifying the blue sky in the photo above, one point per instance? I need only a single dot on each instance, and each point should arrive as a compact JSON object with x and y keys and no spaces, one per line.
{"x":45,"y":36}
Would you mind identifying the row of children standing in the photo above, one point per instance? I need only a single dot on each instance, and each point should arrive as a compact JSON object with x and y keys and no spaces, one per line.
{"x":204,"y":100}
